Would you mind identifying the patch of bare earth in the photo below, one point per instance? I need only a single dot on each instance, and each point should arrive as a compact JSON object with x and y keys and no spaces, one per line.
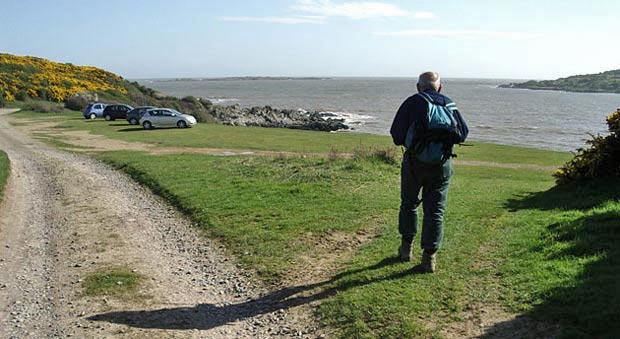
{"x":492,"y":322}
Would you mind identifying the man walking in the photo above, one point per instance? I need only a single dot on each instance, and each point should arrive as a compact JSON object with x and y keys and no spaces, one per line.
{"x":428,"y":124}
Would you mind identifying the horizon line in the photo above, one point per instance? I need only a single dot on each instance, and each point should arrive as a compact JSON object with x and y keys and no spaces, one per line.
{"x":313,"y":77}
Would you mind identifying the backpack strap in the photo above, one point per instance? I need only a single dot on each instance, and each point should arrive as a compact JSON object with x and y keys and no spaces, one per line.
{"x":451,"y":105}
{"x":426,"y":97}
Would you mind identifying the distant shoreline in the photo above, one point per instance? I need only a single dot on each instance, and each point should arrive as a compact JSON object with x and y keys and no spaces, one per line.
{"x":555,"y":89}
{"x":248,"y":78}
{"x":605,"y":82}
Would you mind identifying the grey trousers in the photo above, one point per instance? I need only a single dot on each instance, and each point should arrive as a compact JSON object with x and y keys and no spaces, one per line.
{"x":433,"y":181}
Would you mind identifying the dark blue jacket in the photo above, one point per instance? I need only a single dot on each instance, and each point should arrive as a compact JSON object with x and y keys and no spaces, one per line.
{"x":415,"y":109}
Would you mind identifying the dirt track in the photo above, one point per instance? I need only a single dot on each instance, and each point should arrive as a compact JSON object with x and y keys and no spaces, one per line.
{"x":65,"y":216}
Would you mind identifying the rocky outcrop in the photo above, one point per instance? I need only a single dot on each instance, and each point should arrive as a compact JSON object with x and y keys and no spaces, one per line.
{"x":272,"y":117}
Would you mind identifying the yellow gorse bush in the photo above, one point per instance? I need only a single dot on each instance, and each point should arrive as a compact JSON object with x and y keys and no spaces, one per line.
{"x":613,"y":121}
{"x":40,"y":78}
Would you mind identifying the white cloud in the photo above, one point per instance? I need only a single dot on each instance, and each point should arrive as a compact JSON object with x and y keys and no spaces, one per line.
{"x":298,"y":19}
{"x":424,"y":15}
{"x":353,"y":10}
{"x":318,"y":11}
{"x":467,"y":34}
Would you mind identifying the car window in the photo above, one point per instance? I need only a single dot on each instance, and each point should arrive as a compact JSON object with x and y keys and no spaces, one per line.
{"x":97,"y":106}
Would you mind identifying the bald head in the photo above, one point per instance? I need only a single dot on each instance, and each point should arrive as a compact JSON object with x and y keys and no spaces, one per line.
{"x":429,"y":80}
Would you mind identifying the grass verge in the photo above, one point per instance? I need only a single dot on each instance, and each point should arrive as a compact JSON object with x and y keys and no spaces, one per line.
{"x":111,"y":282}
{"x":4,"y":171}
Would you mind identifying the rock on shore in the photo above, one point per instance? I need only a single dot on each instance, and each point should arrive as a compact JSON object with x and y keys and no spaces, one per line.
{"x":272,"y":117}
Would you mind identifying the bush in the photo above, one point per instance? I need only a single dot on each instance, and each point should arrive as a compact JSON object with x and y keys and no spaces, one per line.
{"x":1,"y":98}
{"x":43,"y":93}
{"x":76,"y":103}
{"x":21,"y":95}
{"x":600,"y":160}
{"x":206,"y":103}
{"x":43,"y":107}
{"x":384,"y":155}
{"x":191,"y":100}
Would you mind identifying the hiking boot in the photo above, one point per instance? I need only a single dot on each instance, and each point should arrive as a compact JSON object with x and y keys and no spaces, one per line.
{"x":404,"y":250}
{"x":429,"y":260}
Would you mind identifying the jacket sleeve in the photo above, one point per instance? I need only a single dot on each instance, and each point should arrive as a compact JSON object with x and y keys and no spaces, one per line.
{"x":402,"y":121}
{"x":462,"y":125}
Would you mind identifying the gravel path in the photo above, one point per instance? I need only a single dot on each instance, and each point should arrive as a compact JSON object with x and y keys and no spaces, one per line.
{"x":65,"y":216}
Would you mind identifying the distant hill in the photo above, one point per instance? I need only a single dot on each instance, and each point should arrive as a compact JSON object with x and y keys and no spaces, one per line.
{"x":606,"y":82}
{"x":27,"y":78}
{"x":23,"y":77}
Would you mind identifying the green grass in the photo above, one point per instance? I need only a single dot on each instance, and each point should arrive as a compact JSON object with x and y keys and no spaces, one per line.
{"x":282,"y":140}
{"x":512,"y":239}
{"x":388,"y":296}
{"x":111,"y":283}
{"x":269,"y":212}
{"x":565,"y":259}
{"x":4,"y":171}
{"x":268,"y":209}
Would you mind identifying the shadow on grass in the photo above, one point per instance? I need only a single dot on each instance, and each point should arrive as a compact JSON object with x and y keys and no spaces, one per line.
{"x":568,"y":197}
{"x":208,"y":316}
{"x":589,"y":305}
{"x":131,"y":129}
{"x":140,"y":128}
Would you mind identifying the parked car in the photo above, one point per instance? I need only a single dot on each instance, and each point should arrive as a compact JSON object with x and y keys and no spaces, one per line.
{"x":113,"y":112}
{"x":133,"y":117}
{"x":166,"y":117}
{"x":94,"y":110}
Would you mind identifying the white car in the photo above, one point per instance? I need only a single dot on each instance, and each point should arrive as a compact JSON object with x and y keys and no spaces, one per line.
{"x":166,"y":117}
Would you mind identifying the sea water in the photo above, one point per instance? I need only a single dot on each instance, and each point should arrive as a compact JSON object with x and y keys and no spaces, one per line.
{"x":541,"y":119}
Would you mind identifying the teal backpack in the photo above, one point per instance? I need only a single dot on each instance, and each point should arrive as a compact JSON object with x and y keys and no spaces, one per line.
{"x":433,"y":143}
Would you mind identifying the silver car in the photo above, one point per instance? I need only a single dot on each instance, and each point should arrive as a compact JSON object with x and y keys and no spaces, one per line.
{"x":166,"y":117}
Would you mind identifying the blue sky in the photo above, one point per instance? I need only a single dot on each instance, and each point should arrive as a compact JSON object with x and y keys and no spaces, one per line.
{"x":459,"y":38}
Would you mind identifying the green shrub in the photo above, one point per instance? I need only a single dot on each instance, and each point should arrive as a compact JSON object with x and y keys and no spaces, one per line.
{"x":191,"y":100}
{"x":43,"y":107}
{"x":76,"y":103}
{"x":385,"y":155}
{"x":1,"y":99}
{"x":21,"y":95}
{"x":600,"y":160}
{"x":43,"y":93}
{"x":206,"y":103}
{"x":4,"y":170}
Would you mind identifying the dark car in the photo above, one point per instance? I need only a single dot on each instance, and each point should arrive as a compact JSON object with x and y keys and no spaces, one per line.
{"x":133,"y":117}
{"x":118,"y":111}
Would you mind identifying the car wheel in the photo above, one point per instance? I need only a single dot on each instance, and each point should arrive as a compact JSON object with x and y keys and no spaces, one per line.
{"x":181,"y":124}
{"x":147,"y":125}
{"x":133,"y":121}
{"x":92,"y":116}
{"x":107,"y":117}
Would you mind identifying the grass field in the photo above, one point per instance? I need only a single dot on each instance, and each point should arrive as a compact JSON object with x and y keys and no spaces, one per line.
{"x":4,"y":171}
{"x":279,"y":140}
{"x":513,"y":240}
